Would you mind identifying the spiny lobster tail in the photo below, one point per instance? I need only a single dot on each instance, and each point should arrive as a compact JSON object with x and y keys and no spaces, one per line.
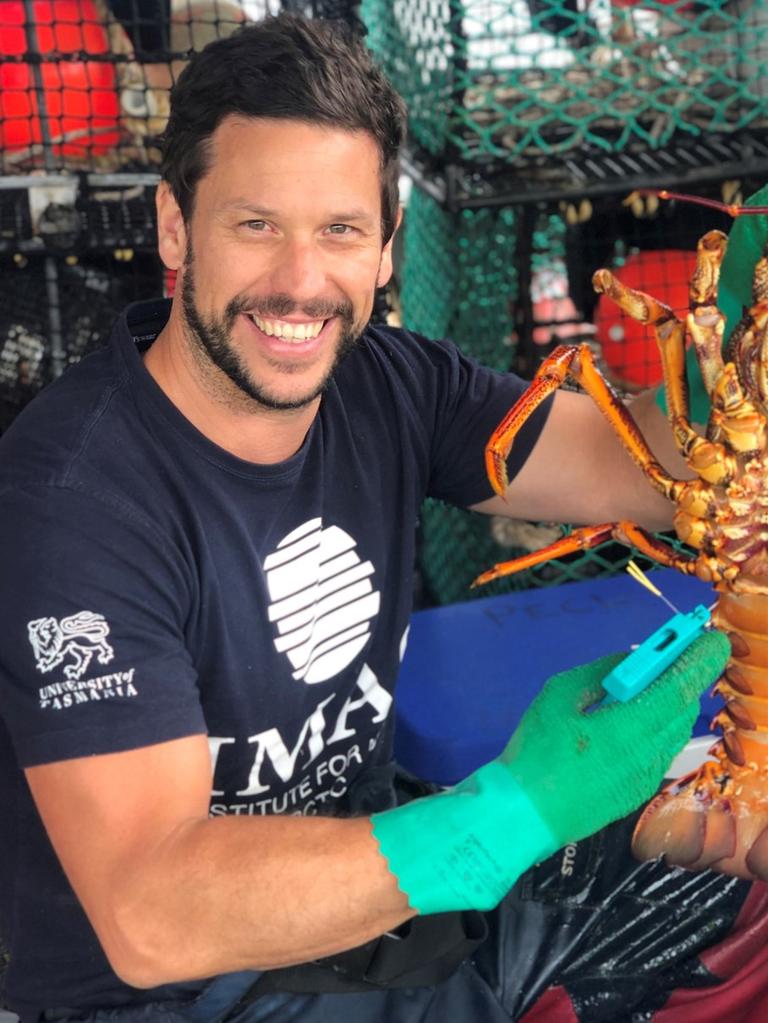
{"x":689,"y":825}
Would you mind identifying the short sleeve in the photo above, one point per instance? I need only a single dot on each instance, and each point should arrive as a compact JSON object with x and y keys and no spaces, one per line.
{"x":471,"y":402}
{"x":92,"y":653}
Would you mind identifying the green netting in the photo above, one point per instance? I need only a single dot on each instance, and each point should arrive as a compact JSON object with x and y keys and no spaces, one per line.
{"x":506,"y":79}
{"x":548,"y":242}
{"x":460,"y":279}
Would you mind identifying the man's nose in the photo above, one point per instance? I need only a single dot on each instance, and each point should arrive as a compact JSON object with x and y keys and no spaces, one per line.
{"x":299,"y":270}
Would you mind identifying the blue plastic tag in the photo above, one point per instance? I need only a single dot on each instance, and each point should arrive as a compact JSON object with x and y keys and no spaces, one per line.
{"x":654,"y":655}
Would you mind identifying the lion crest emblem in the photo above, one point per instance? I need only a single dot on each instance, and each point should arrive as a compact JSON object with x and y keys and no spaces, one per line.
{"x":78,"y":637}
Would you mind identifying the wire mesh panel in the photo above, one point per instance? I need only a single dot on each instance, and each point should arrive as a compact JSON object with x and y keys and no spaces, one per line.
{"x":460,"y":280}
{"x":460,"y":276}
{"x":509,"y":95}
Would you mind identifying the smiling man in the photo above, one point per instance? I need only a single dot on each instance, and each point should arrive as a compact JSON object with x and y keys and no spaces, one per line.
{"x":207,"y":546}
{"x":278,"y":265}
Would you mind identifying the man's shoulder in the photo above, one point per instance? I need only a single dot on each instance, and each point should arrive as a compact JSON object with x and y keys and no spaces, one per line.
{"x":383,"y":334}
{"x":397,"y":350}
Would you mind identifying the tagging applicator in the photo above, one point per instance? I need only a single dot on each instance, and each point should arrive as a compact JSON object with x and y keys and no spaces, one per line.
{"x":655,"y":654}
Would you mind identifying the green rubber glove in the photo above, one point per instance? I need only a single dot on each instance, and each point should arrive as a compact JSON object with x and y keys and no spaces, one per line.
{"x":746,"y":241}
{"x":563,"y":775}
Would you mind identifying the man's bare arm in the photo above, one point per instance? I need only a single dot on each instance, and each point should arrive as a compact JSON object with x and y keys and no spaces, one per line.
{"x":173,"y":894}
{"x":579,"y":472}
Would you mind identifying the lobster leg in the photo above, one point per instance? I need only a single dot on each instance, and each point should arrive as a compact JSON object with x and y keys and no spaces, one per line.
{"x":578,"y":361}
{"x":670,"y":336}
{"x":588,"y":537}
{"x":705,"y":322}
{"x":549,"y":376}
{"x":706,"y":457}
{"x":582,"y":539}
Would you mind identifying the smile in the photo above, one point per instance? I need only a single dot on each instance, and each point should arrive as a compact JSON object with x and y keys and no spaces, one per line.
{"x":289,"y":331}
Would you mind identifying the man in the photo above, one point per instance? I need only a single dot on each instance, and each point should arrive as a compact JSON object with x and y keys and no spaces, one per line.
{"x":207,"y":542}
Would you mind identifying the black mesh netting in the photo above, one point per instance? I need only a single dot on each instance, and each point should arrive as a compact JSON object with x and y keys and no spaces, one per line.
{"x":86,"y":300}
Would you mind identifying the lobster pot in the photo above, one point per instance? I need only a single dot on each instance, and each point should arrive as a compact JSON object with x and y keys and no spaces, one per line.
{"x":750,"y":28}
{"x":513,"y":99}
{"x":85,"y":83}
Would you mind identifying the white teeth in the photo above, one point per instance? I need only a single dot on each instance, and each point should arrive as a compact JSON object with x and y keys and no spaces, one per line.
{"x":289,"y":331}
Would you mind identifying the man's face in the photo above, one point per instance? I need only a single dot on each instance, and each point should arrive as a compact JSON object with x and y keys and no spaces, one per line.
{"x":283,"y":256}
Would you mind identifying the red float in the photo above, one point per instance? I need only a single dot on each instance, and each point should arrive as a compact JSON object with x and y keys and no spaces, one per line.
{"x":629,"y":348}
{"x":81,"y":102}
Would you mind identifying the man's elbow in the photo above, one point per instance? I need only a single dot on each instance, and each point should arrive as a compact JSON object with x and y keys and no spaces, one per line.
{"x":144,"y":949}
{"x":132,"y":954}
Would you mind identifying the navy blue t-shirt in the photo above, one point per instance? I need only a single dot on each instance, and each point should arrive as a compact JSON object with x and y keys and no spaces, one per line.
{"x":155,"y":586}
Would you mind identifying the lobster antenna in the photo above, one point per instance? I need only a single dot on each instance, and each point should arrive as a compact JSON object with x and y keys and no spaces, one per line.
{"x":640,"y":577}
{"x":732,"y":209}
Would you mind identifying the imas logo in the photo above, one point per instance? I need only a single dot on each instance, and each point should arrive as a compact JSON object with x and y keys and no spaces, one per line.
{"x":78,"y":637}
{"x":322,"y":600}
{"x":314,"y":765}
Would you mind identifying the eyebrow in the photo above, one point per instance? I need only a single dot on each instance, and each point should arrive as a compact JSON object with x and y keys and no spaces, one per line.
{"x":243,"y":206}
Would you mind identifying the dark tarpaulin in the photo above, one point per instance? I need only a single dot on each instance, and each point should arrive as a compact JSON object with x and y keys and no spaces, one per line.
{"x":596,"y":937}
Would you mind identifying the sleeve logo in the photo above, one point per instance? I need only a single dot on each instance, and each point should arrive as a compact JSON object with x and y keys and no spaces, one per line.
{"x":77,"y":639}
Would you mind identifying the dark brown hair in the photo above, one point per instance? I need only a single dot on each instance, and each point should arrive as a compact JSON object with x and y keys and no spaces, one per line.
{"x":283,"y":67}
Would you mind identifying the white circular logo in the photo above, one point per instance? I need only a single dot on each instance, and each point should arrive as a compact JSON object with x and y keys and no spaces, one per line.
{"x":322,"y":600}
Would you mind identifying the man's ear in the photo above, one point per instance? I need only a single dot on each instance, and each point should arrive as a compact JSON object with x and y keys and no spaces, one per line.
{"x":385,"y":266}
{"x":171,"y":230}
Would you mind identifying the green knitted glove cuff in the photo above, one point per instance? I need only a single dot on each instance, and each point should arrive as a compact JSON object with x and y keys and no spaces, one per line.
{"x":464,"y":848}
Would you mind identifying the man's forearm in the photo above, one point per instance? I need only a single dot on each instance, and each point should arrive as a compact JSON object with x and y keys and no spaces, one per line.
{"x":232,"y":893}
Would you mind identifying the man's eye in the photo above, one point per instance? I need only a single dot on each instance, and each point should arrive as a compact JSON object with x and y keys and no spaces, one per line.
{"x":255,"y":225}
{"x":340,"y":229}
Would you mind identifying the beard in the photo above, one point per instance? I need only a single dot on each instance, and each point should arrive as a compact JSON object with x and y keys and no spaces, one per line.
{"x":211,"y":338}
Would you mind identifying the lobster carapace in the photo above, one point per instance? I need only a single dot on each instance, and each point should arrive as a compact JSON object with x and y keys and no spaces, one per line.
{"x":716,"y":817}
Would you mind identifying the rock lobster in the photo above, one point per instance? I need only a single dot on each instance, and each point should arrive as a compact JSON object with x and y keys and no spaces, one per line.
{"x":716,"y":817}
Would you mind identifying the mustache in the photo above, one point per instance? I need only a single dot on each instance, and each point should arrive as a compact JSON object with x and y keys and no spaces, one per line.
{"x":278,"y":306}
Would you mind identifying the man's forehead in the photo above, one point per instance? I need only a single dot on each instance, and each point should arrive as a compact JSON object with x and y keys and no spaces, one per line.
{"x":256,"y":165}
{"x":235,"y":127}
